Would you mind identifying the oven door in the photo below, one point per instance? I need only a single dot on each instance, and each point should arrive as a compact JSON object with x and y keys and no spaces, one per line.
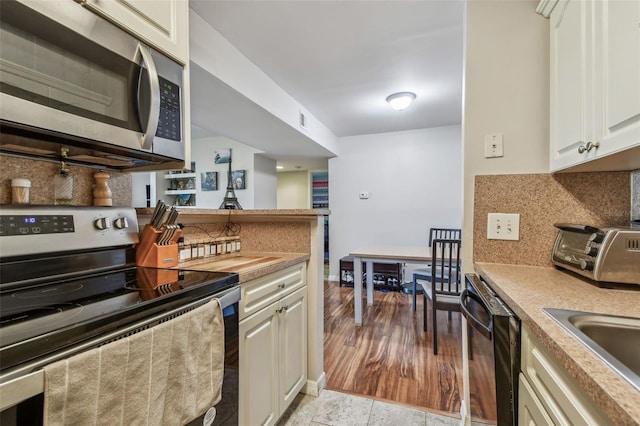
{"x":68,"y":72}
{"x":494,"y":340}
{"x":22,"y":398}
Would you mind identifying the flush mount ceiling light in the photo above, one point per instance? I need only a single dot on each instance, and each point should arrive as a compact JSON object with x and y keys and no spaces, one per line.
{"x":400,"y":101}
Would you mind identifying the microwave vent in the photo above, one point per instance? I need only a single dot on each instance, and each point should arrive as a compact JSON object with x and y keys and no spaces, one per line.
{"x":633,"y":244}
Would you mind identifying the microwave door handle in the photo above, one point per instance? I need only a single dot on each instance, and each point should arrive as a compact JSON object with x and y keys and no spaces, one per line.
{"x":154,"y":101}
{"x":485,"y":330}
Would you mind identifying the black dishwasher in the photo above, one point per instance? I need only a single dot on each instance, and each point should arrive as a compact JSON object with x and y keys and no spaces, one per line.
{"x":495,"y":340}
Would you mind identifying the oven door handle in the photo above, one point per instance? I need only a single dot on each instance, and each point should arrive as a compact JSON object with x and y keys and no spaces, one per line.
{"x":228,"y":297}
{"x":484,"y":329}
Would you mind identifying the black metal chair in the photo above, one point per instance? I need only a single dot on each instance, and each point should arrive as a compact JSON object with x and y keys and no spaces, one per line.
{"x":444,"y":288}
{"x":425,"y":273}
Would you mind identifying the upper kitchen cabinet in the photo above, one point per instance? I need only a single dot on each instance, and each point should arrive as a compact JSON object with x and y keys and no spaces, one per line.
{"x":163,"y":24}
{"x":595,"y":84}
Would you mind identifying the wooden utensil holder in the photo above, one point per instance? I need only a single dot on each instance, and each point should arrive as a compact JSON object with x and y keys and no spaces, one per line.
{"x":150,"y":254}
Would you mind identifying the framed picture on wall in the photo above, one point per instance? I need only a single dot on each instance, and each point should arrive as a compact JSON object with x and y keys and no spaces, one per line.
{"x":238,"y":178}
{"x":222,"y":156}
{"x":209,"y":181}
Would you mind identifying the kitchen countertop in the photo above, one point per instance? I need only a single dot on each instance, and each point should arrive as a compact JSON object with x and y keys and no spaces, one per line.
{"x":529,"y":289}
{"x":248,"y":265}
{"x":195,"y":211}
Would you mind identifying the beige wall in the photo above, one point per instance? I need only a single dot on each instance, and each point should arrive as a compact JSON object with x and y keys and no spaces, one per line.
{"x":293,"y":190}
{"x":506,"y":90}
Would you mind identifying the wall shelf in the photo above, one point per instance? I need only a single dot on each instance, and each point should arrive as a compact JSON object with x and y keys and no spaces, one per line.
{"x":179,"y":191}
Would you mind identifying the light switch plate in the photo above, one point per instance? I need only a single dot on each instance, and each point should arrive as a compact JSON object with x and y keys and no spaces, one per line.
{"x":503,"y":226}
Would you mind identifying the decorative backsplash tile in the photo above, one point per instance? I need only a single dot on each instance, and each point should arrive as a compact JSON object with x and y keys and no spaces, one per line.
{"x":41,"y":174}
{"x":635,"y":195}
{"x":598,"y":199}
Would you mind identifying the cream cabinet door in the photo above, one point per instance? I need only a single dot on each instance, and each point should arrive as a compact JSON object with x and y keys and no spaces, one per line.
{"x":163,"y":24}
{"x":571,"y":88}
{"x":531,"y":412}
{"x":595,"y":85}
{"x":617,"y":70}
{"x":259,"y":367}
{"x":293,"y":346}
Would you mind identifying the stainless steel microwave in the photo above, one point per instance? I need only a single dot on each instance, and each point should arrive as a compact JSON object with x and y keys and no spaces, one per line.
{"x":71,"y":79}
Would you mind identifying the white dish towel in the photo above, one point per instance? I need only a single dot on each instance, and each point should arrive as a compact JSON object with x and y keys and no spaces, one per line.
{"x":166,"y":375}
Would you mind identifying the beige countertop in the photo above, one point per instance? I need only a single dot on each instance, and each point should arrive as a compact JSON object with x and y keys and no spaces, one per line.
{"x":248,"y":266}
{"x":194,"y":211}
{"x":529,"y":289}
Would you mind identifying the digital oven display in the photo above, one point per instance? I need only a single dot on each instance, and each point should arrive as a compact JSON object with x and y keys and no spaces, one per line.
{"x":35,"y":224}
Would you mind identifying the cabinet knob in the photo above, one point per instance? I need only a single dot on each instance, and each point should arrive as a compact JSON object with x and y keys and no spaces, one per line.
{"x":588,"y":147}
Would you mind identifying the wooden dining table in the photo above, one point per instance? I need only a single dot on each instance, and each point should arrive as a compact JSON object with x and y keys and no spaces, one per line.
{"x":381,"y":254}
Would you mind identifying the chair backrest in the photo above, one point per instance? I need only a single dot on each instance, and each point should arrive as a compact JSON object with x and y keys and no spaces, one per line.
{"x":445,"y":266}
{"x":444,"y":233}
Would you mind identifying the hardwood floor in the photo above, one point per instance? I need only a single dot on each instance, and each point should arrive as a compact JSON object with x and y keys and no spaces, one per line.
{"x":390,"y":357}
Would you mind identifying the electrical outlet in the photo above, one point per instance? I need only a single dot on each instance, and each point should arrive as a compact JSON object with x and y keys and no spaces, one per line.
{"x":493,"y":145}
{"x":503,"y":226}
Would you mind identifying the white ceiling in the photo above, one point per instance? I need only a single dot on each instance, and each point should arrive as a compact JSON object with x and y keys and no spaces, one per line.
{"x":341,"y":59}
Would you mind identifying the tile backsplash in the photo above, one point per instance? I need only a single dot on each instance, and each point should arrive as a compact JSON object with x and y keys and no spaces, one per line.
{"x":41,"y":174}
{"x":635,"y":195}
{"x":598,"y":199}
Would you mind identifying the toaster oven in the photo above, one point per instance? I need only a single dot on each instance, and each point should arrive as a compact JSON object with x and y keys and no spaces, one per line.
{"x":608,"y":256}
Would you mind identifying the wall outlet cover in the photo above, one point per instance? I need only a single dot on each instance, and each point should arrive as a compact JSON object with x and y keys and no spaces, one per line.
{"x":503,"y":226}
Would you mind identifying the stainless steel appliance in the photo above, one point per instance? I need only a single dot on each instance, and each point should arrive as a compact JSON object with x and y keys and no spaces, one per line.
{"x":69,"y":283}
{"x":610,"y":257}
{"x":494,"y":340}
{"x":69,"y":78}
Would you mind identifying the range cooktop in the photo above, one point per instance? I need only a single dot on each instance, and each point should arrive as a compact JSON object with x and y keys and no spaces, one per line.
{"x":46,"y":317}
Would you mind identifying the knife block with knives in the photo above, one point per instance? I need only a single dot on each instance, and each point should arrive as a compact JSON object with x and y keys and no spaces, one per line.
{"x":158,"y":246}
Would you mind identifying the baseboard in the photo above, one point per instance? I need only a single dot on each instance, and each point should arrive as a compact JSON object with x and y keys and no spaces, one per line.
{"x":314,"y":388}
{"x":333,"y":278}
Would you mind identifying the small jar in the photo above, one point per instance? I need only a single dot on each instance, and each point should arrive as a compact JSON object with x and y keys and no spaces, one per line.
{"x":201,"y":249}
{"x":181,"y":254}
{"x":20,"y":191}
{"x":185,"y":252}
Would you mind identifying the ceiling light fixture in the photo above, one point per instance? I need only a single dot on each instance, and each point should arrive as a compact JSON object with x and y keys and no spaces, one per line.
{"x":400,"y":101}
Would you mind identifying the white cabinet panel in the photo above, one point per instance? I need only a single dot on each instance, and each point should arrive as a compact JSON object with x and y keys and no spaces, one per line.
{"x":559,"y":396}
{"x":531,"y":412}
{"x":595,"y":85}
{"x":293,"y":346}
{"x":259,"y":368}
{"x":273,"y":344}
{"x":164,"y":24}
{"x":618,"y":52}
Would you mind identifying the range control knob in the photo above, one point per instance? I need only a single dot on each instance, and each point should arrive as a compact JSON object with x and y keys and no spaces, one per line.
{"x":102,"y":223}
{"x":121,"y":223}
{"x":586,"y":265}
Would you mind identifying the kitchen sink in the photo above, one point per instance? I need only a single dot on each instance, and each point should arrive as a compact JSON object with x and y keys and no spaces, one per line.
{"x":615,"y":339}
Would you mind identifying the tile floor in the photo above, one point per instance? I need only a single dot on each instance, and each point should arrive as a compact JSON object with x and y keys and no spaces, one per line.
{"x":340,"y":409}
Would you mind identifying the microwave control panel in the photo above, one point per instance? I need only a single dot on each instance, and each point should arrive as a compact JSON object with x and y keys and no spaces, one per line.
{"x":169,"y":121}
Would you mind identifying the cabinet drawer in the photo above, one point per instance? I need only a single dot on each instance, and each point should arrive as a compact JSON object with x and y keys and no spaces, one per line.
{"x":261,"y":292}
{"x":558,"y":392}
